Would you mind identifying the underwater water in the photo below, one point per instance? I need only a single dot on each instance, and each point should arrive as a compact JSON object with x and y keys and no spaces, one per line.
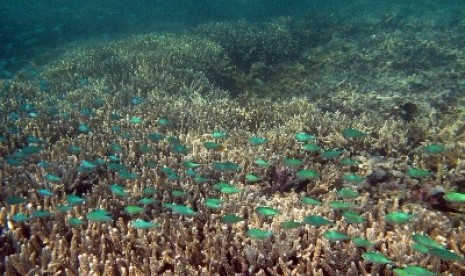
{"x":232,"y":137}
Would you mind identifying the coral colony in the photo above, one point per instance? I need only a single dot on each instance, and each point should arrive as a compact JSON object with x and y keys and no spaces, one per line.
{"x":236,"y":149}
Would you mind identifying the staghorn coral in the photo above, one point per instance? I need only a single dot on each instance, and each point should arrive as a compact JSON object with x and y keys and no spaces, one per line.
{"x":150,"y":128}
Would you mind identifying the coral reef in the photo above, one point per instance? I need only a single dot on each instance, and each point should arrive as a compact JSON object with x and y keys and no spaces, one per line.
{"x":132,"y":158}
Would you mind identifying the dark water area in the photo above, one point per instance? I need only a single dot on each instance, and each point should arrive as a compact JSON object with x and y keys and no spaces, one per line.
{"x":30,"y":28}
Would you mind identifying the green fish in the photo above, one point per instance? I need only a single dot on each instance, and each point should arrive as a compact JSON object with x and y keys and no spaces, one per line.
{"x":75,"y":222}
{"x":290,"y":224}
{"x":209,"y":145}
{"x":304,"y":137}
{"x":426,"y":241}
{"x":351,"y":177}
{"x":348,"y":193}
{"x":292,"y":162}
{"x":334,"y":235}
{"x":307,"y":174}
{"x":231,"y":218}
{"x":375,"y":258}
{"x":445,"y":255}
{"x":331,"y":153}
{"x":252,"y":178}
{"x":261,"y":163}
{"x":142,"y":224}
{"x":351,"y":133}
{"x":454,"y":197}
{"x":267,"y":211}
{"x":418,"y":173}
{"x":434,"y":149}
{"x":361,"y":242}
{"x":340,"y":205}
{"x":352,"y":217}
{"x":99,"y":215}
{"x":180,"y":209}
{"x":259,"y":234}
{"x":213,"y":203}
{"x":132,"y":210}
{"x":311,"y":201}
{"x":257,"y":141}
{"x":52,"y":178}
{"x":118,"y":190}
{"x":219,"y":135}
{"x":146,"y":201}
{"x":20,"y":217}
{"x":398,"y":218}
{"x":311,"y":147}
{"x":317,"y":220}
{"x":413,"y":270}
